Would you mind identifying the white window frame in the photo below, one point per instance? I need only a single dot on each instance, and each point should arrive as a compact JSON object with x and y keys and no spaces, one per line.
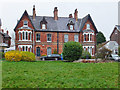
{"x":76,"y":39}
{"x":30,"y":36}
{"x":49,"y":36}
{"x":19,"y":35}
{"x":89,"y":49}
{"x":30,"y":49}
{"x":38,"y":36}
{"x":25,"y":23}
{"x":66,"y":37}
{"x":26,"y":35}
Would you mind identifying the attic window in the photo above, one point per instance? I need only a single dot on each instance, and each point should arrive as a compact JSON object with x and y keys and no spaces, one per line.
{"x":71,"y":27}
{"x":88,"y":26}
{"x":25,"y":23}
{"x":43,"y":26}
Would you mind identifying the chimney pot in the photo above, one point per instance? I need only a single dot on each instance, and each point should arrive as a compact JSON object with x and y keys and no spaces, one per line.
{"x":7,"y":32}
{"x":34,"y":12}
{"x":76,"y":14}
{"x":70,"y":16}
{"x":55,"y":13}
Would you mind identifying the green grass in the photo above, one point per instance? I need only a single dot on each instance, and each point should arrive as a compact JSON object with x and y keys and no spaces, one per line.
{"x":56,"y":74}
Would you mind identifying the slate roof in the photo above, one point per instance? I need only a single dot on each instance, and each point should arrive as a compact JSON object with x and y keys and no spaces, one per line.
{"x":5,"y":35}
{"x":118,"y":27}
{"x":58,"y":25}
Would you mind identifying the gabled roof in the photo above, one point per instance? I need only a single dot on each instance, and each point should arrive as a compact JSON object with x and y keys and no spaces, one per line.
{"x":57,"y":25}
{"x":25,"y":13}
{"x":118,"y":27}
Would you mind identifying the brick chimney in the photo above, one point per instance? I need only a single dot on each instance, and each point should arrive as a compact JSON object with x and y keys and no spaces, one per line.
{"x":76,"y":15}
{"x":70,"y":16}
{"x":7,"y":32}
{"x":55,"y":13}
{"x":34,"y":12}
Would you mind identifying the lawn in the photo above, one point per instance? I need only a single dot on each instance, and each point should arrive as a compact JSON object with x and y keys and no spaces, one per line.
{"x":57,"y":74}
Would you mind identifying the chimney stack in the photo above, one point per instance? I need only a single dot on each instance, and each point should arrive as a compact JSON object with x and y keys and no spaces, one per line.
{"x":55,"y":13}
{"x":2,"y":31}
{"x":76,"y":15}
{"x":34,"y":12}
{"x":70,"y":16}
{"x":7,"y":32}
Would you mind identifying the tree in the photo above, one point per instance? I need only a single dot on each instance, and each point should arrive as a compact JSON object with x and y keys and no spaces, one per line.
{"x":103,"y":53}
{"x":72,"y":50}
{"x":119,"y":51}
{"x":100,"y":38}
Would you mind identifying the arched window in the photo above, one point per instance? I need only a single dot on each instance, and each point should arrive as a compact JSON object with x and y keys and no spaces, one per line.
{"x":90,"y":37}
{"x":84,"y":48}
{"x":23,"y":48}
{"x":88,"y":26}
{"x":19,"y":36}
{"x":91,"y":50}
{"x":43,"y":26}
{"x":19,"y":48}
{"x":49,"y":51}
{"x":71,"y":27}
{"x":30,"y":49}
{"x":84,"y":37}
{"x":23,"y":36}
{"x":30,"y":36}
{"x":26,"y":48}
{"x":38,"y":37}
{"x":38,"y":51}
{"x":26,"y":36}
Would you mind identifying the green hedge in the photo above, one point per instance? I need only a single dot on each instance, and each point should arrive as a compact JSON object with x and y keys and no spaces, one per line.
{"x":72,"y":50}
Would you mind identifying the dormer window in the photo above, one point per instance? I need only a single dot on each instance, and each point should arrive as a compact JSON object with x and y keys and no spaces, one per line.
{"x":88,"y":26}
{"x":43,"y":23}
{"x":71,"y":27}
{"x":25,"y":23}
{"x":43,"y":26}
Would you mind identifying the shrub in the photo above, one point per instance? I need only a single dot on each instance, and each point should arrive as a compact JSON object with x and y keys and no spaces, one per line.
{"x":44,"y":55}
{"x":72,"y":50}
{"x":13,"y":56}
{"x":86,"y":55}
{"x":119,"y":51}
{"x":27,"y":56}
{"x":2,"y":55}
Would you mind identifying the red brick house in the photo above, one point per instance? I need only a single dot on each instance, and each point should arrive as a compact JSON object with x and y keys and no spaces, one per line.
{"x":43,"y":34}
{"x":115,"y":35}
{"x":5,"y":39}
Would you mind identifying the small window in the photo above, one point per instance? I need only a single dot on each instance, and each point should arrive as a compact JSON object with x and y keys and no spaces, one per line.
{"x":37,"y":37}
{"x":30,"y":36}
{"x":48,"y":37}
{"x":19,"y":36}
{"x":19,"y":48}
{"x":71,"y":27}
{"x":65,"y":38}
{"x":26,"y":36}
{"x":76,"y":38}
{"x":38,"y":51}
{"x":43,"y":26}
{"x":26,"y":48}
{"x":84,"y":37}
{"x":84,"y":49}
{"x":90,"y":37}
{"x":23,"y":48}
{"x":23,"y":36}
{"x":88,"y":26}
{"x":25,"y":23}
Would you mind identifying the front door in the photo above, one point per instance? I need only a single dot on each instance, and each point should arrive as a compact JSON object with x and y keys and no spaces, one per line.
{"x":38,"y":51}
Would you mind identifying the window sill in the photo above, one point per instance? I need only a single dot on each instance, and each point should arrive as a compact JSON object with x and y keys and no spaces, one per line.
{"x":25,"y":40}
{"x":88,"y":41}
{"x":49,"y":41}
{"x":38,"y":41}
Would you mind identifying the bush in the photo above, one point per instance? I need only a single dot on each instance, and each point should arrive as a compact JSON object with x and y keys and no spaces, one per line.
{"x":13,"y":56}
{"x":27,"y":56}
{"x":44,"y":55}
{"x":2,"y":55}
{"x":19,"y":56}
{"x":86,"y":55}
{"x":72,"y":51}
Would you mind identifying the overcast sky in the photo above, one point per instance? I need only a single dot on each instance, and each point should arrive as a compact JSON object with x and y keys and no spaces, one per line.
{"x":103,"y":12}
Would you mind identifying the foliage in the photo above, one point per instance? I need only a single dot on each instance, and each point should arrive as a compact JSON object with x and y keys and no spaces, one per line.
{"x":13,"y":56}
{"x":55,"y":51}
{"x":19,"y":55}
{"x":44,"y":55}
{"x":72,"y":51}
{"x":86,"y":55}
{"x":57,"y":74}
{"x":119,"y":51}
{"x":100,"y":38}
{"x":2,"y":55}
{"x":27,"y":56}
{"x":103,"y":53}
